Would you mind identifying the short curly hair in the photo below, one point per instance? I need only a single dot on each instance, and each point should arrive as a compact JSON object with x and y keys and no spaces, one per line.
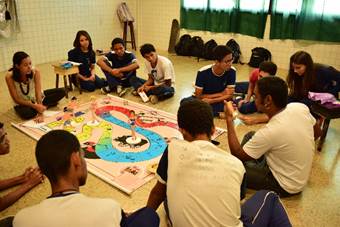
{"x":195,"y":117}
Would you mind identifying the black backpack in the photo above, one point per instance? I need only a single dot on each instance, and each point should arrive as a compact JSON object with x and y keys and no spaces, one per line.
{"x":197,"y":44}
{"x":208,"y":49}
{"x":233,"y":45}
{"x":183,"y":47}
{"x":258,"y":55}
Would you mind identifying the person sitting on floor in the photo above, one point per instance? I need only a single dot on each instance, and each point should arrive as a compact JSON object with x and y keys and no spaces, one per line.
{"x":215,"y":83}
{"x":247,"y":106}
{"x":199,"y":183}
{"x":24,"y":86}
{"x":119,"y":67}
{"x":61,"y":159}
{"x":279,"y":156}
{"x":83,"y":53}
{"x":161,"y":75}
{"x":25,"y":182}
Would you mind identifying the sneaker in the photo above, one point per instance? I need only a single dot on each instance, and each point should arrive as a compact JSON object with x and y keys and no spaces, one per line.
{"x":153,"y":99}
{"x":134,"y":93}
{"x":105,"y":90}
{"x":119,"y":89}
{"x":121,"y":92}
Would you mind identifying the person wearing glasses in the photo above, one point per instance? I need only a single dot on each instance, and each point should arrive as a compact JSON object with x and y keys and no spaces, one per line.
{"x":25,"y":182}
{"x":216,"y":83}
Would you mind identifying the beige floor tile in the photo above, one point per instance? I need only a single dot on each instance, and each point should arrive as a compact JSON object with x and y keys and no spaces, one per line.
{"x":317,"y":206}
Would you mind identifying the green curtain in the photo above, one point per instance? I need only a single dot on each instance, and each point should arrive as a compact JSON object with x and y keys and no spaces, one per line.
{"x":305,"y":23}
{"x":235,"y":20}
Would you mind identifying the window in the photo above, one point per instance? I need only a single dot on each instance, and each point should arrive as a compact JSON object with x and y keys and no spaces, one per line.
{"x":288,"y":6}
{"x":331,"y":8}
{"x":237,"y":16}
{"x":253,"y":5}
{"x":305,"y":19}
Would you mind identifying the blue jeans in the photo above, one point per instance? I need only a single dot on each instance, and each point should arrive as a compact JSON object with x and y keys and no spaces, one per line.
{"x":241,"y":87}
{"x":248,"y":108}
{"x":162,"y":92}
{"x":145,"y":216}
{"x":113,"y":81}
{"x":92,"y":85}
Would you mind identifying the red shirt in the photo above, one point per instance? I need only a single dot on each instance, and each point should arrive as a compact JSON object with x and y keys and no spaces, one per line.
{"x":254,"y":76}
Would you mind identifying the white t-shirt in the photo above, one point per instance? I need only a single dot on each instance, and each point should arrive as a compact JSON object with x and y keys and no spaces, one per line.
{"x":203,"y":184}
{"x":287,"y":141}
{"x":164,"y":70}
{"x":69,"y":211}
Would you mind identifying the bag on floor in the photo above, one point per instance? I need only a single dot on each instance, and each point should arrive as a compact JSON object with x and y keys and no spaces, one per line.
{"x":235,"y":47}
{"x":208,"y":49}
{"x":258,"y":55}
{"x":197,"y":46}
{"x":183,"y":47}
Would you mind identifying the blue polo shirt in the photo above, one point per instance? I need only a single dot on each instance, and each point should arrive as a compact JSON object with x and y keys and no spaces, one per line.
{"x":211,"y":83}
{"x":118,"y":62}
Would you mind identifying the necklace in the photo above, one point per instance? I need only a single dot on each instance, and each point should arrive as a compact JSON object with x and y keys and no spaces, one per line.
{"x":66,"y":192}
{"x":27,"y":88}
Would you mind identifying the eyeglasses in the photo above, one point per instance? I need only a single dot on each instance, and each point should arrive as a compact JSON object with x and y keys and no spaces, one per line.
{"x":229,"y":61}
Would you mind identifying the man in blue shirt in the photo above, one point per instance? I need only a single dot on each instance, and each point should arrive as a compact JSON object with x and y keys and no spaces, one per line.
{"x":119,"y":67}
{"x":215,"y":83}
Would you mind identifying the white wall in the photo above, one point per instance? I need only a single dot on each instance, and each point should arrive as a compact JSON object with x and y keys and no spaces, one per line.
{"x":155,"y":18}
{"x":48,"y":28}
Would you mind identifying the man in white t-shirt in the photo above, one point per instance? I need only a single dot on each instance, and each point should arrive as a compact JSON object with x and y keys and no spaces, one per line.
{"x":161,"y":75}
{"x":200,"y":182}
{"x":283,"y":148}
{"x":59,"y":157}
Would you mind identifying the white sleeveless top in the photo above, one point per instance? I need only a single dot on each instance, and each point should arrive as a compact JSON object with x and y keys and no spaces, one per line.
{"x":30,"y":87}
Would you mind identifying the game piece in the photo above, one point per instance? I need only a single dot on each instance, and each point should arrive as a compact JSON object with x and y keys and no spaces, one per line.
{"x":133,"y":139}
{"x":144,"y":97}
{"x":93,"y":107}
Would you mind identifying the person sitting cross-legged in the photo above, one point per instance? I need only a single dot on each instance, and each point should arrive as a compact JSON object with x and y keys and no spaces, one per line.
{"x":201,"y":184}
{"x":278,"y":156}
{"x":61,"y":159}
{"x":215,"y":83}
{"x":119,"y":67}
{"x":247,"y":106}
{"x":161,"y":75}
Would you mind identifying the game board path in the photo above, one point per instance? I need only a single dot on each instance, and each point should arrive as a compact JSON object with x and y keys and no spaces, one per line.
{"x":105,"y":149}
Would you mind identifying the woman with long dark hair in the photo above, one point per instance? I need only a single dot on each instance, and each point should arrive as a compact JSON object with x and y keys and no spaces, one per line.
{"x":24,"y":85}
{"x":304,"y":75}
{"x":83,"y":53}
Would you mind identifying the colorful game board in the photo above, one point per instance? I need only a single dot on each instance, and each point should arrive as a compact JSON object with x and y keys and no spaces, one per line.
{"x":103,"y":128}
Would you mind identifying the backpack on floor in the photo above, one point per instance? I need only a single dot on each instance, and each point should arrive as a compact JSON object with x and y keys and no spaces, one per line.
{"x":233,"y":45}
{"x":258,"y":55}
{"x":183,"y":47}
{"x":197,"y":44}
{"x":208,"y":49}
